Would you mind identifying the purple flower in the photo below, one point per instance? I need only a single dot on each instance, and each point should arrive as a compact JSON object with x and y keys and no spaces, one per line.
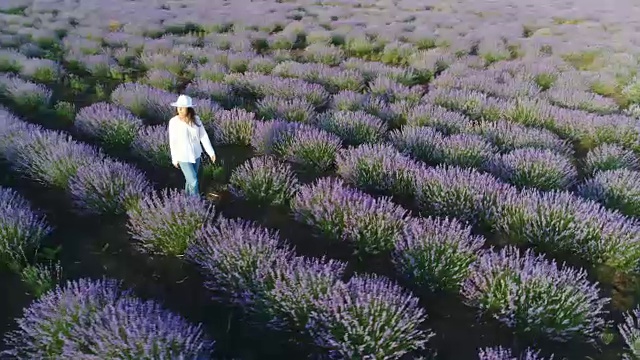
{"x":294,"y":110}
{"x":21,"y":228}
{"x":261,"y":64}
{"x":369,"y":317}
{"x":237,"y":256}
{"x":347,"y":100}
{"x":107,"y":187}
{"x":420,"y":142}
{"x":630,"y":331}
{"x":325,"y":54}
{"x":508,"y":136}
{"x":465,"y":194}
{"x":465,"y":150}
{"x":264,"y":180}
{"x":151,"y":332}
{"x":110,"y":124}
{"x":161,"y":79}
{"x":534,"y":295}
{"x":295,"y":287}
{"x":391,"y":91}
{"x":26,"y":95}
{"x":378,"y":168}
{"x":353,"y":127}
{"x":500,"y":353}
{"x":562,"y":222}
{"x":436,"y":253}
{"x":616,"y":189}
{"x":447,"y":122}
{"x":162,"y":61}
{"x":144,"y":101}
{"x":168,"y":222}
{"x":211,"y":72}
{"x":151,"y":144}
{"x":542,"y":169}
{"x":338,"y":212}
{"x":312,"y":148}
{"x":233,"y":127}
{"x":610,"y":157}
{"x":52,"y":158}
{"x":216,"y":91}
{"x":83,"y":319}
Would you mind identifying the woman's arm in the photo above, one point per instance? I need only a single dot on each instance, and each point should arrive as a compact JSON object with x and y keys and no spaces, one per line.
{"x":173,"y":142}
{"x":206,"y":143}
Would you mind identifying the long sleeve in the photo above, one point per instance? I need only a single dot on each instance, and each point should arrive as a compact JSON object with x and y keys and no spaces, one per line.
{"x":206,"y":143}
{"x":173,"y":141}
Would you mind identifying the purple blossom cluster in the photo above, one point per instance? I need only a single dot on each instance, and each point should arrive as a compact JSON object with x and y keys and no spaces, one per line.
{"x":347,"y":100}
{"x":41,"y":70}
{"x":353,"y":127}
{"x":264,"y":180}
{"x":536,"y":168}
{"x":337,"y":212}
{"x":161,"y":79}
{"x":307,"y":146}
{"x":563,"y":222}
{"x":22,"y":229}
{"x":429,"y":145}
{"x":500,"y":353}
{"x":112,"y":125}
{"x":107,"y":187}
{"x":216,"y":91}
{"x":245,"y":264}
{"x":534,"y":295}
{"x":25,"y":95}
{"x":167,"y":222}
{"x":445,"y":121}
{"x":84,"y":318}
{"x":233,"y":127}
{"x":610,"y":157}
{"x":293,"y":110}
{"x":333,"y":79}
{"x":616,"y":189}
{"x":630,"y":331}
{"x":436,"y":254}
{"x":144,"y":101}
{"x":508,"y":136}
{"x":392,"y":91}
{"x":151,"y":144}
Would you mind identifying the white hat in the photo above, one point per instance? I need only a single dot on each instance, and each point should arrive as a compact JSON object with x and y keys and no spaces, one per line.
{"x":183,"y":101}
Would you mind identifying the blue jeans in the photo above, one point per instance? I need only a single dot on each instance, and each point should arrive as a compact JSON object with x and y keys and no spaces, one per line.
{"x":190,"y":171}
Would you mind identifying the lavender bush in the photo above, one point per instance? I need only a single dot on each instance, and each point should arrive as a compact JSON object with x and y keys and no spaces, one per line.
{"x":83,"y":319}
{"x":236,"y":256}
{"x":542,"y":169}
{"x":508,"y":136}
{"x":534,"y":295}
{"x":447,"y":122}
{"x":562,"y":222}
{"x":52,"y":158}
{"x":615,"y":189}
{"x":151,"y":144}
{"x":347,"y":100}
{"x":500,"y":353}
{"x":111,"y":125}
{"x":378,"y":168}
{"x":313,"y":149}
{"x":168,"y":222}
{"x":264,"y":180}
{"x":369,"y":317}
{"x":107,"y":188}
{"x":233,"y":127}
{"x":610,"y":157}
{"x":294,"y":110}
{"x":354,"y":128}
{"x":436,"y":254}
{"x":144,"y":101}
{"x":630,"y":331}
{"x":340,"y":213}
{"x":27,"y":96}
{"x":21,"y":229}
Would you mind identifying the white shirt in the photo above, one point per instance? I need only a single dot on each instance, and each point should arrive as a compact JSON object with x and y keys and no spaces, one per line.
{"x":184,"y":140}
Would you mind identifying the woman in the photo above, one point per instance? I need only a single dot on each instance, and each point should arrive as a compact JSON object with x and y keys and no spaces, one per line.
{"x":186,"y":132}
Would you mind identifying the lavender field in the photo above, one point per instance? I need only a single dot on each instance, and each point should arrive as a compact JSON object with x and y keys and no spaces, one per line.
{"x":397,"y":180}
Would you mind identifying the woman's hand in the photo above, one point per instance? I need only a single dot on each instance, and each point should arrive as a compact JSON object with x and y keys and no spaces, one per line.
{"x":176,"y":165}
{"x":213,"y":158}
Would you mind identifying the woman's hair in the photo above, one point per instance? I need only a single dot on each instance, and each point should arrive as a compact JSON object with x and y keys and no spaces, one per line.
{"x":191,"y":116}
